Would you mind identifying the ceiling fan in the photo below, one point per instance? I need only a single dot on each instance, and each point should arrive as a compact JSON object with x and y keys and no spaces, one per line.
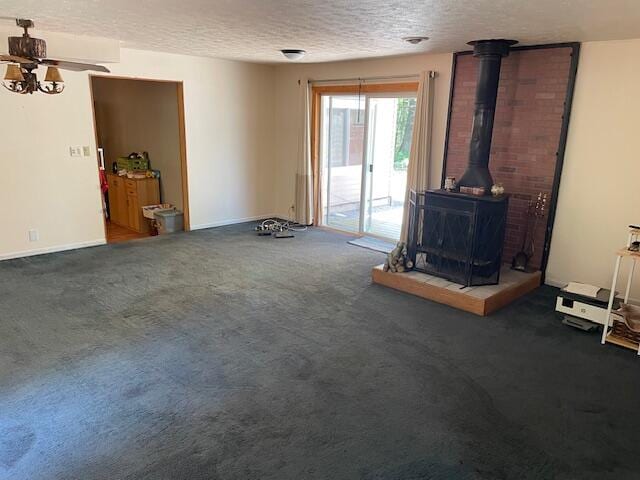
{"x":26,"y":53}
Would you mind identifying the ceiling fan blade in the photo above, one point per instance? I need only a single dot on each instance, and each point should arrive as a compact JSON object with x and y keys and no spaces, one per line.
{"x":15,"y":59}
{"x":74,"y":66}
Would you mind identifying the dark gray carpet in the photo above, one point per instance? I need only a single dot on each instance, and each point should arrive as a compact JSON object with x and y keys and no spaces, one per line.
{"x":221,"y":355}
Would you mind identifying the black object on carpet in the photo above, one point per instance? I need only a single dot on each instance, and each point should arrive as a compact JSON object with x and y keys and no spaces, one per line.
{"x":222,"y":355}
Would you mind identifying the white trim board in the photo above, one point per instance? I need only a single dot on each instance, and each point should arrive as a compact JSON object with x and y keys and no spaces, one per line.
{"x":553,"y":282}
{"x":233,"y":221}
{"x":102,"y":241}
{"x":54,"y":249}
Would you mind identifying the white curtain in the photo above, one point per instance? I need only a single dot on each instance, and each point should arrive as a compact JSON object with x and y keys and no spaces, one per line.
{"x":304,"y":173}
{"x":420,"y":155}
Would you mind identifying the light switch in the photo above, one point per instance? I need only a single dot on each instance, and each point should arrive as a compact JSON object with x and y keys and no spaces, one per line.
{"x":75,"y":151}
{"x":86,"y":151}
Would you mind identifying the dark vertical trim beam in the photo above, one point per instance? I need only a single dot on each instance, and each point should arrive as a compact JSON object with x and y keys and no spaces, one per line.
{"x":564,"y":132}
{"x":454,"y":63}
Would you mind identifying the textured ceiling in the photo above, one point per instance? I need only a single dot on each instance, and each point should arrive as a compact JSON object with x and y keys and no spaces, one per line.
{"x":255,"y":30}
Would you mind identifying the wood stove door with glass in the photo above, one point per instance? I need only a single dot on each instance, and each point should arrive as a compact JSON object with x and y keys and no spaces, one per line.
{"x":458,"y":237}
{"x":447,"y":238}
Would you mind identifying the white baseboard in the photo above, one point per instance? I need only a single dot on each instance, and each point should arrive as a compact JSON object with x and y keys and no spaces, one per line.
{"x":554,"y":282}
{"x":285,"y":217}
{"x":95,"y":243}
{"x":54,"y":249}
{"x":233,"y":221}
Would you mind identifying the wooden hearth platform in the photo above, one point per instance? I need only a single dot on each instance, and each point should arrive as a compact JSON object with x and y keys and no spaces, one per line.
{"x":479,"y":300}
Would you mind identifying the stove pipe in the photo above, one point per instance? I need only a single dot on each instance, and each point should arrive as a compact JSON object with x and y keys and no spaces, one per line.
{"x":489,"y":53}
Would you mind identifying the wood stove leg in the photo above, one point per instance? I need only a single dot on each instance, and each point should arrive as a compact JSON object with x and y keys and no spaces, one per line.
{"x":612,"y":296}
{"x":629,"y":280}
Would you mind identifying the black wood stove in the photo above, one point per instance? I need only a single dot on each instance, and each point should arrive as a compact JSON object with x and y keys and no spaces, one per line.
{"x":460,"y":236}
{"x":456,"y":236}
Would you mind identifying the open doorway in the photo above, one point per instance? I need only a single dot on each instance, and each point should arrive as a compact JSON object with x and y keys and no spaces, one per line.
{"x":139,"y":127}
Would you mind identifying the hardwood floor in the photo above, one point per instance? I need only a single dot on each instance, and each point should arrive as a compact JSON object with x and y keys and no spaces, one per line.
{"x":118,"y":234}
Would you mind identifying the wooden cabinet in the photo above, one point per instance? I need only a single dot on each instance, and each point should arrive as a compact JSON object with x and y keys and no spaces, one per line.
{"x":127,"y":196}
{"x":117,"y":200}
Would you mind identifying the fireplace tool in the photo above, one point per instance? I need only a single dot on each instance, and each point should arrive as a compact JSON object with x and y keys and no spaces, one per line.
{"x":535,"y":211}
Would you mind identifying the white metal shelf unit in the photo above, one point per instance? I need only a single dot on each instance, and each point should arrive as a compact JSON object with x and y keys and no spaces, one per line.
{"x":634,"y":236}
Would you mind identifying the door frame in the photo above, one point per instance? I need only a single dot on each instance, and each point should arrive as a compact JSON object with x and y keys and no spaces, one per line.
{"x":182,"y":138}
{"x":317,"y":92}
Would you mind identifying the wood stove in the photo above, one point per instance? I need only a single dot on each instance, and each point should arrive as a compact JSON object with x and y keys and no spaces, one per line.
{"x":456,"y":236}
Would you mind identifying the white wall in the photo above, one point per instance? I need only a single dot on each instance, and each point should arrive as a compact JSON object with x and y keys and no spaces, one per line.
{"x":141,"y":116}
{"x":600,"y":187}
{"x":229,"y":135}
{"x":287,"y":107}
{"x":41,"y":187}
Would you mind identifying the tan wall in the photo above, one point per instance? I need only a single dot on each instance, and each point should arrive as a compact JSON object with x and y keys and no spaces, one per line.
{"x":229,"y":137}
{"x":287,"y":107}
{"x":138,"y":116}
{"x":600,"y":187}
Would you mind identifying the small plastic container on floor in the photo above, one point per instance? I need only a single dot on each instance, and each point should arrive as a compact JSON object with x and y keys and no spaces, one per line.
{"x":169,"y":221}
{"x":149,"y":211}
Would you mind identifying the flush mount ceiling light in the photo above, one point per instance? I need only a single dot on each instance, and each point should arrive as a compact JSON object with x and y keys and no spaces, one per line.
{"x":293,"y":54}
{"x":415,"y":40}
{"x":26,"y":53}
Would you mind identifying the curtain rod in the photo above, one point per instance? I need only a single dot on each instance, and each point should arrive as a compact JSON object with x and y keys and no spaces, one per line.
{"x":368,"y":79}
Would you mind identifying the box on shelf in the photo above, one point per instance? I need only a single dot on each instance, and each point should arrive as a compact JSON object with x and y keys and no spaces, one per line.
{"x":132,"y":164}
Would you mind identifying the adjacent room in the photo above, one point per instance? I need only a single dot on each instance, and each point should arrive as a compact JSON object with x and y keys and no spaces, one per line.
{"x":331,"y":240}
{"x":140,"y":141}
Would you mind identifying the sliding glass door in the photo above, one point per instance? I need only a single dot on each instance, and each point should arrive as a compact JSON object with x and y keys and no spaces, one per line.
{"x":342,"y":153}
{"x":364,"y":153}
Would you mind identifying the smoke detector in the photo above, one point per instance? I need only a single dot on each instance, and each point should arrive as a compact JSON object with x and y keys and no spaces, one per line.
{"x":293,"y":54}
{"x":415,"y":40}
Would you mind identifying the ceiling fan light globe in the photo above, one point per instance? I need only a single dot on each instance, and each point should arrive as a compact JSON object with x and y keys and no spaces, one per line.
{"x":14,"y":74}
{"x":53,"y":75}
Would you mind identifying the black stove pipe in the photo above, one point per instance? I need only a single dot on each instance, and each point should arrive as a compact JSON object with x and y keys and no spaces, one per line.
{"x":489,"y":53}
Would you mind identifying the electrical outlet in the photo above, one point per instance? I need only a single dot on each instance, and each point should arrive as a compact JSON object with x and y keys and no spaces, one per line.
{"x":34,"y":236}
{"x":86,"y":151}
{"x":75,"y":151}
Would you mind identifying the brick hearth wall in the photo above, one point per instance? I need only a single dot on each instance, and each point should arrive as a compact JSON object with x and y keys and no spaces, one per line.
{"x":526,"y":135}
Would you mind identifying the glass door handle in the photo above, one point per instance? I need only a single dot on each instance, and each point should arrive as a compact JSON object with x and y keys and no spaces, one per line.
{"x":371,"y":168}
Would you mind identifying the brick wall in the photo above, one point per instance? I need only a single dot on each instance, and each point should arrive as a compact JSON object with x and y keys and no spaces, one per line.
{"x":526,"y":135}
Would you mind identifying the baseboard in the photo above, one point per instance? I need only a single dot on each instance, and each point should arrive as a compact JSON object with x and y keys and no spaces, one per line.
{"x":554,"y":282}
{"x":95,"y":243}
{"x":54,"y":249}
{"x":285,"y":217}
{"x":233,"y":221}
